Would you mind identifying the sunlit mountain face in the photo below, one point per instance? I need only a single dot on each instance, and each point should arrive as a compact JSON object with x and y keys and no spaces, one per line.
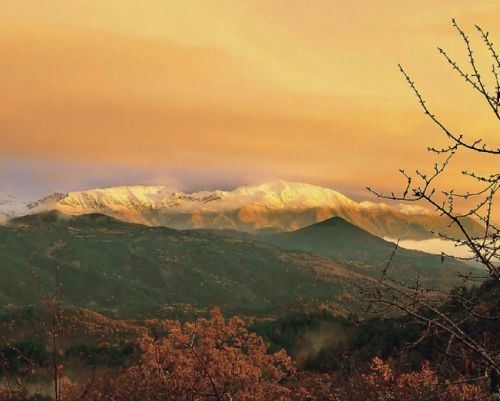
{"x":272,"y":206}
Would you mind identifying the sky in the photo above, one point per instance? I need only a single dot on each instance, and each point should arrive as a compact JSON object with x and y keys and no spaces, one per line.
{"x":204,"y":94}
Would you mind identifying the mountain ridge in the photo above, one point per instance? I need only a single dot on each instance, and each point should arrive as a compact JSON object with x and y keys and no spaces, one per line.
{"x":110,"y":265}
{"x":276,"y":205}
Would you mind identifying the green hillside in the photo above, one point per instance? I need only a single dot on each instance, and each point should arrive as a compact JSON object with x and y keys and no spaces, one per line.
{"x":338,"y":239}
{"x":110,"y":265}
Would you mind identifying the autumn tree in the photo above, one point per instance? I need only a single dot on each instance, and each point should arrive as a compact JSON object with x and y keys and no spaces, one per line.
{"x":466,"y":320}
{"x":209,"y":359}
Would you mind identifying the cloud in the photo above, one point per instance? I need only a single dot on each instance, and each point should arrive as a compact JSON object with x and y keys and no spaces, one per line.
{"x":240,"y":89}
{"x":435,"y":246}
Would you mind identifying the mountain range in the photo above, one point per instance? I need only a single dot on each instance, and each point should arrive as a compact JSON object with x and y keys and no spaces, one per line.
{"x":275,"y":206}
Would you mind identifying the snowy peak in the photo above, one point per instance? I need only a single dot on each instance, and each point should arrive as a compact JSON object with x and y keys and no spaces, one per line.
{"x":276,"y":205}
{"x":284,"y":193}
{"x":134,"y":197}
{"x":272,"y":194}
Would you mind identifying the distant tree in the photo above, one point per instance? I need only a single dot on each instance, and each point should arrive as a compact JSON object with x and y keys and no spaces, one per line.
{"x":467,"y":320}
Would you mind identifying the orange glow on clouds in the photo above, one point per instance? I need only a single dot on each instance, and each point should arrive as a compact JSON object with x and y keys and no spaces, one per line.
{"x":307,"y":90}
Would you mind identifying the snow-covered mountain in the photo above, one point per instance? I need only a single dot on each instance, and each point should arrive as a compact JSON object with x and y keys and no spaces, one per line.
{"x":276,"y":205}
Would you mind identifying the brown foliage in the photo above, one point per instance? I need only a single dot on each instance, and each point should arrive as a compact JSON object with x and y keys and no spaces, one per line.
{"x":218,"y":359}
{"x":209,"y":359}
{"x":382,"y":383}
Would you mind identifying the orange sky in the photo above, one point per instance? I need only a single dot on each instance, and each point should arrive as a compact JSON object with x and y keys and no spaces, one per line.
{"x":303,"y":90}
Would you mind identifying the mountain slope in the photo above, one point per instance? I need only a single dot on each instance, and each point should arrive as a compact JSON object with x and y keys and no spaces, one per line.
{"x":274,"y":206}
{"x":338,"y":239}
{"x":111,"y":265}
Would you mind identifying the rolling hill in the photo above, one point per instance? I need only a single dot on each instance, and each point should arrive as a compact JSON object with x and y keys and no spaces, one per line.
{"x":109,"y":265}
{"x":338,"y":239}
{"x":112,"y":266}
